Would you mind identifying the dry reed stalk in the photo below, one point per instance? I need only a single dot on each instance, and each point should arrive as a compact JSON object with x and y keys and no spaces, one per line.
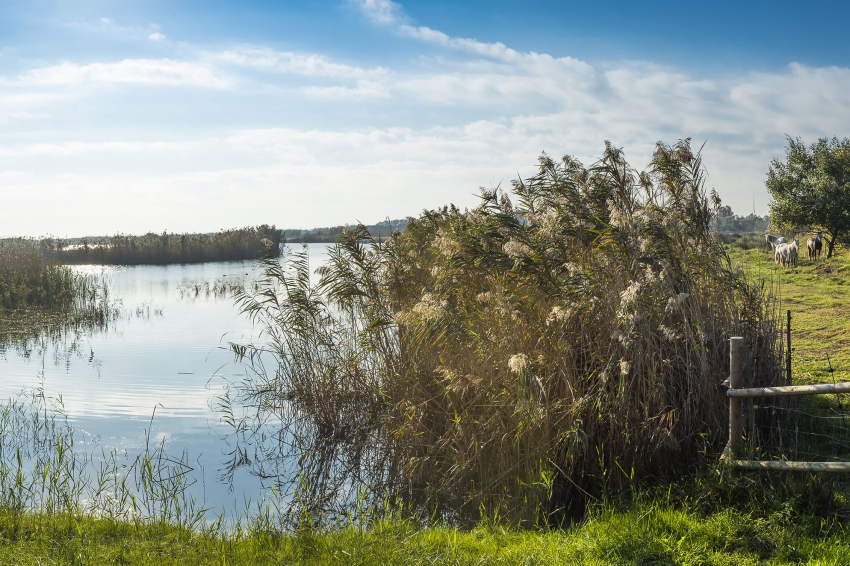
{"x":509,"y":361}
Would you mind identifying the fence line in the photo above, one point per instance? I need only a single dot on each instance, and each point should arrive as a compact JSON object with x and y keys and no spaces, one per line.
{"x":736,"y":395}
{"x":790,"y":390}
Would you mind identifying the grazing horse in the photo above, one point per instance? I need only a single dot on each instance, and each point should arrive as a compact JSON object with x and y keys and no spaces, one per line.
{"x":815,"y":245}
{"x":774,"y":240}
{"x":786,"y":254}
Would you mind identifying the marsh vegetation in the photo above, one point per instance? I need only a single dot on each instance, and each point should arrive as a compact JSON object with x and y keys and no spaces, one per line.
{"x":548,"y":358}
{"x":166,"y":248}
{"x":41,"y":298}
{"x":512,"y":362}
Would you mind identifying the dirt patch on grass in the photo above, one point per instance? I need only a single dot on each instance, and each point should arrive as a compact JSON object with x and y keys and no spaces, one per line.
{"x":826,"y":268}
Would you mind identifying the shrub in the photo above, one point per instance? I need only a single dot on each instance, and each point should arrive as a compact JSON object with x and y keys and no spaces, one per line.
{"x":511,"y":361}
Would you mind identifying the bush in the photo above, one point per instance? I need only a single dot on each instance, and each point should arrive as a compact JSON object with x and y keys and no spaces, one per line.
{"x":512,"y":361}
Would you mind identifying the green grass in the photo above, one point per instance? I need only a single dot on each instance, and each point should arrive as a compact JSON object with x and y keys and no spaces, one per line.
{"x":818,"y":295}
{"x":647,"y":534}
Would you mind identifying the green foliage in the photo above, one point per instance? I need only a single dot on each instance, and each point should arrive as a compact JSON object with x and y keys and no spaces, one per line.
{"x":334,"y":234}
{"x":812,"y":187}
{"x":166,"y":248}
{"x":28,"y":279}
{"x":40,"y":299}
{"x":511,"y":362}
{"x":735,"y":223}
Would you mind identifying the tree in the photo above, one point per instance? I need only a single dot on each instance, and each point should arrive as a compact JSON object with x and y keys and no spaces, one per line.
{"x":812,"y":187}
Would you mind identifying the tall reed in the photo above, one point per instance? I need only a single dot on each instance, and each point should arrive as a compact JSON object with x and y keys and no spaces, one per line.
{"x":43,"y":300}
{"x":514,"y":361}
{"x":28,"y":279}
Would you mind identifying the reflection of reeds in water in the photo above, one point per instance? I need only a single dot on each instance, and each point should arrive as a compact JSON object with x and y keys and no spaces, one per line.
{"x":46,"y":466}
{"x":512,"y":361}
{"x":218,"y":288}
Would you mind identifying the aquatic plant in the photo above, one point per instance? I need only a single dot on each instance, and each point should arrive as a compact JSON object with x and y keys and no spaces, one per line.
{"x":165,"y":248}
{"x":41,"y":300}
{"x":47,"y":467}
{"x":28,"y":279}
{"x":511,"y":361}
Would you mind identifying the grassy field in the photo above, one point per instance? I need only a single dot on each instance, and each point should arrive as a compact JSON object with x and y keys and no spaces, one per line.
{"x":818,"y":295}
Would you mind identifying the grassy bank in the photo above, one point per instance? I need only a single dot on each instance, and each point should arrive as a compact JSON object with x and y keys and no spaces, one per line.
{"x":652,"y":533}
{"x":818,"y":295}
{"x":166,"y":248}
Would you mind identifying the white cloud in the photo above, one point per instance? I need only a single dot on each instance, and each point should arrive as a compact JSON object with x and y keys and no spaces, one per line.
{"x":363,"y":90}
{"x":384,"y":12}
{"x":78,"y":148}
{"x":389,"y":13}
{"x":478,"y":115}
{"x":266,"y":59}
{"x":142,"y":71}
{"x":156,"y":36}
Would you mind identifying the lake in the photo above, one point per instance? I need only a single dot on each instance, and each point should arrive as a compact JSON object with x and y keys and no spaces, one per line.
{"x":165,"y":357}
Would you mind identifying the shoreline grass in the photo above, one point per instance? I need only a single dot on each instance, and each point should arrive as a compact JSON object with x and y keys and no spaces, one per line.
{"x":649,"y":533}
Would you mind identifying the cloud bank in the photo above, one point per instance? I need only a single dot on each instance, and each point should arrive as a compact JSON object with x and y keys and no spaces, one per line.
{"x":259,"y":134}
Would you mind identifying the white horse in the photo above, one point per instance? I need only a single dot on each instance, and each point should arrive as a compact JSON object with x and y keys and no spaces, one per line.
{"x":774,"y":240}
{"x":815,"y":245}
{"x":786,"y":254}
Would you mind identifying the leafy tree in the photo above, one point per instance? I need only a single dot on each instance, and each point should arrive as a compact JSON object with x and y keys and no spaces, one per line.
{"x":812,"y":187}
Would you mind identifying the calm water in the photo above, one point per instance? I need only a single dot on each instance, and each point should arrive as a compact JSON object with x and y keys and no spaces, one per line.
{"x":167,"y":354}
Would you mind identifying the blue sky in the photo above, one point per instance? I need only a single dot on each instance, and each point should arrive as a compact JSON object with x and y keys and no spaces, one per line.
{"x":195,"y":116}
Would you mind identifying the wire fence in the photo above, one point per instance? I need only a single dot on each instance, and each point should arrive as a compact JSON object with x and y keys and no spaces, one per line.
{"x":802,"y":427}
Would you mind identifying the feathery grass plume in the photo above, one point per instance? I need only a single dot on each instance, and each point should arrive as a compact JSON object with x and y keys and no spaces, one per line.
{"x":399,"y":375}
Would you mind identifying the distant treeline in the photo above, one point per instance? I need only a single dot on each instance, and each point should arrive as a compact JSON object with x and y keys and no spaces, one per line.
{"x":166,"y":248}
{"x":334,"y":233}
{"x":727,"y":221}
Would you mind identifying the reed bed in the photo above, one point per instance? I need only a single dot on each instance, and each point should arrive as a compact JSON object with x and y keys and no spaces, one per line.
{"x":41,"y":300}
{"x":218,"y":288}
{"x":166,"y":248}
{"x":28,"y":279}
{"x":513,"y":362}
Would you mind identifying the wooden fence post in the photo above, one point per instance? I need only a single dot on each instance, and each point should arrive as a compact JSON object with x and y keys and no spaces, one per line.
{"x":736,"y":405}
{"x":788,"y":354}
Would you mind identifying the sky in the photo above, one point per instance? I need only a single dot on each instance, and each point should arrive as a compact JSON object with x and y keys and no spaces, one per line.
{"x":189,"y":116}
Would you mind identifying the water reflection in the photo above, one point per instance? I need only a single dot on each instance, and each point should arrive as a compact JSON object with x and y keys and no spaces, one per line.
{"x":166,"y":350}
